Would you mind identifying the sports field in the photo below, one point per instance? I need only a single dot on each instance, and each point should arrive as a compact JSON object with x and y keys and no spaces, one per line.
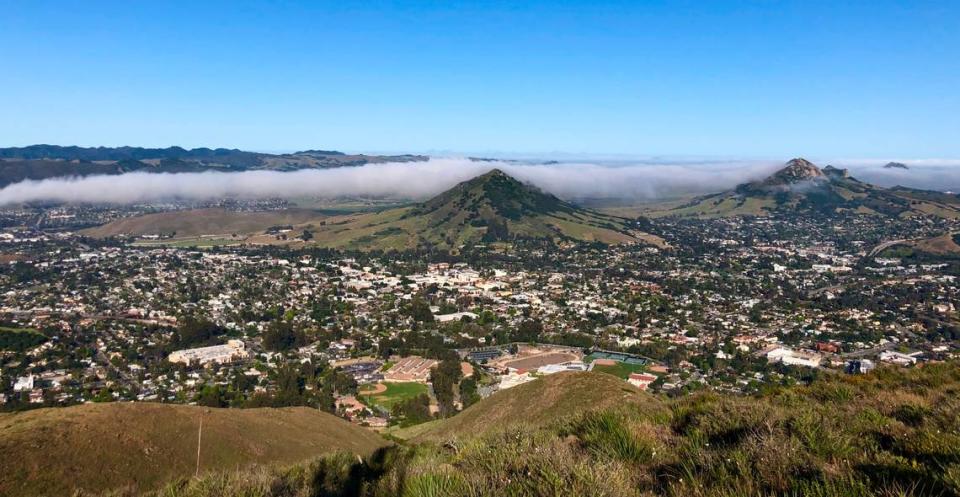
{"x":620,"y":369}
{"x":394,"y":394}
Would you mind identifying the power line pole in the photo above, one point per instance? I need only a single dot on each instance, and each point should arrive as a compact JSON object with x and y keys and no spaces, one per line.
{"x":199,"y":438}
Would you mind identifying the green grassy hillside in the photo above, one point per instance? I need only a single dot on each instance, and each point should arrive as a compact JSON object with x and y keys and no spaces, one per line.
{"x":538,"y":403}
{"x":489,"y":208}
{"x":891,"y":433}
{"x":99,"y":447}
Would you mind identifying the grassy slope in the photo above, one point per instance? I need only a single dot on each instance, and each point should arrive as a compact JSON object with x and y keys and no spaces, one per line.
{"x":96,"y":447}
{"x":891,"y":433}
{"x":453,"y":218}
{"x":539,"y":402}
{"x":842,"y":193}
{"x":199,"y":222}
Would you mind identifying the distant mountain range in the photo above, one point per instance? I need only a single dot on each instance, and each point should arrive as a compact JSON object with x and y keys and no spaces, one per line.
{"x":490,"y":208}
{"x":800,"y":186}
{"x":39,"y":162}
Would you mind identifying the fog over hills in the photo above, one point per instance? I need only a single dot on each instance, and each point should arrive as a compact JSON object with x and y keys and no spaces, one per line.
{"x":124,"y":175}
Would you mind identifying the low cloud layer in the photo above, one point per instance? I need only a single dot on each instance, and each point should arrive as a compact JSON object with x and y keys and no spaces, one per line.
{"x":640,"y":181}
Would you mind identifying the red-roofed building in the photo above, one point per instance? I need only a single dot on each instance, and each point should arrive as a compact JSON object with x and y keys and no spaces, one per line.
{"x":641,"y":380}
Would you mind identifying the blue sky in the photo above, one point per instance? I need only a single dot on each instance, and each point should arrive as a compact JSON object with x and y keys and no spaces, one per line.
{"x":727,"y":79}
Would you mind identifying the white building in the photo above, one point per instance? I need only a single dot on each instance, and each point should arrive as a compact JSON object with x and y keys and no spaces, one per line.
{"x":794,"y":357}
{"x":897,"y":358}
{"x":562,"y":367}
{"x":456,"y":316}
{"x":23,"y":384}
{"x":221,"y":354}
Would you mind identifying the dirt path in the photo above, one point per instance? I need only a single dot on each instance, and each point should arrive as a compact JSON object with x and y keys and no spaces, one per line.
{"x":378,"y":388}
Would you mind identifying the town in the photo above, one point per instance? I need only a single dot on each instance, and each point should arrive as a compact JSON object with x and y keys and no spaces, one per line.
{"x":737,"y":305}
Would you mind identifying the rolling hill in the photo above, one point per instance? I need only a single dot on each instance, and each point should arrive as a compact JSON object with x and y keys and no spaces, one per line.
{"x":492,"y":207}
{"x":204,"y":222}
{"x":538,"y":403}
{"x":802,"y":187}
{"x":99,"y":447}
{"x":939,"y":249}
{"x":38,"y":162}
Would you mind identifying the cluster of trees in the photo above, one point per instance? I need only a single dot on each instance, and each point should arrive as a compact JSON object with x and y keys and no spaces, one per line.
{"x":282,"y":336}
{"x":444,"y":377}
{"x":20,"y":340}
{"x":420,"y":311}
{"x":291,"y":380}
{"x":413,"y":411}
{"x":195,"y":332}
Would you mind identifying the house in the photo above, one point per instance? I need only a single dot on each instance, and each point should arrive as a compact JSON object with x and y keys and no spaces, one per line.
{"x":862,"y":366}
{"x":897,"y":358}
{"x":641,"y":380}
{"x":375,"y":422}
{"x":23,"y":384}
{"x":830,"y":348}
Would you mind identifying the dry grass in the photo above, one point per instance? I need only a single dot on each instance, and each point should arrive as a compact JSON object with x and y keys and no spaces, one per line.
{"x":97,"y":447}
{"x":201,"y":222}
{"x":892,"y":433}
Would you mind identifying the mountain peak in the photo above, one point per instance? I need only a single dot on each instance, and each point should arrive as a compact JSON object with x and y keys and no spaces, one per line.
{"x":836,"y":172}
{"x":498,"y":192}
{"x":496,"y":206}
{"x":797,"y":170}
{"x":493,"y":174}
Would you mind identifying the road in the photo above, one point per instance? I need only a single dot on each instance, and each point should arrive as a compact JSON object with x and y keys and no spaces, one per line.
{"x":885,"y":245}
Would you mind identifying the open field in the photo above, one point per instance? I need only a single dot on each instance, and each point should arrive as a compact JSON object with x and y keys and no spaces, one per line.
{"x":395,"y":393}
{"x":201,"y":222}
{"x":539,"y":360}
{"x":98,"y":447}
{"x":199,"y":242}
{"x":619,"y":369}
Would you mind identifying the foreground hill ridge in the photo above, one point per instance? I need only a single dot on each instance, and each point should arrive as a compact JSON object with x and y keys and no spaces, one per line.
{"x":100,"y":447}
{"x":891,"y":432}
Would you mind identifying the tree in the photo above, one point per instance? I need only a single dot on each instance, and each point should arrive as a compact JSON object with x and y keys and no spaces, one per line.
{"x":420,"y":310}
{"x":281,"y":336}
{"x":211,"y":396}
{"x":468,"y":392}
{"x":290,"y":386}
{"x":196,"y":331}
{"x":528,"y":331}
{"x":444,"y":377}
{"x":413,"y":411}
